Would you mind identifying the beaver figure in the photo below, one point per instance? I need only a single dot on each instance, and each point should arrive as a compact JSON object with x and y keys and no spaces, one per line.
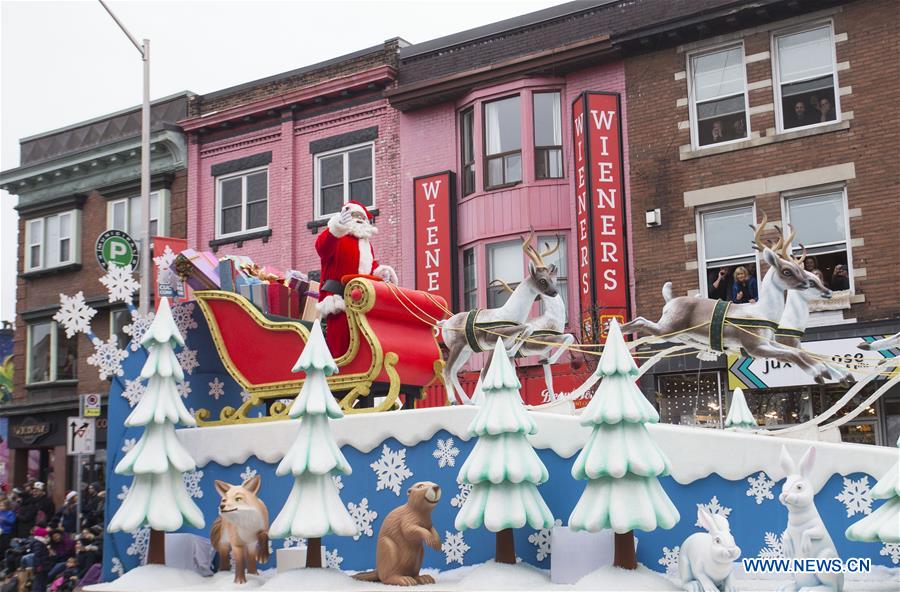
{"x":398,"y":555}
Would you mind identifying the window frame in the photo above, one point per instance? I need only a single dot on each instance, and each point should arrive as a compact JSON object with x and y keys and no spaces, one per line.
{"x":822,"y":191}
{"x":74,"y":238}
{"x":242,"y":175}
{"x":534,"y":145}
{"x":112,"y":324}
{"x":54,"y":353}
{"x":474,"y":288}
{"x":486,"y":158}
{"x":562,"y":272}
{"x":162,"y":218}
{"x":317,"y":182}
{"x":488,"y":249}
{"x":464,"y":164}
{"x":692,"y":102}
{"x":776,"y":74}
{"x":701,"y":247}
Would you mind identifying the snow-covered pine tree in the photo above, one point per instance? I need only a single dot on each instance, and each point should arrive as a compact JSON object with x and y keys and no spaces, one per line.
{"x":158,"y":496}
{"x":503,"y":468}
{"x":620,"y":460}
{"x":884,"y":523}
{"x":739,"y":415}
{"x":314,"y":507}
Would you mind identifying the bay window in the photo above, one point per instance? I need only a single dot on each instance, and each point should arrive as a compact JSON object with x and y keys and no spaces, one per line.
{"x":470,"y":280}
{"x":125,"y":215}
{"x":806,"y":78}
{"x":503,"y":142}
{"x":718,"y":93}
{"x":467,"y":150}
{"x":52,"y":241}
{"x":548,"y":160}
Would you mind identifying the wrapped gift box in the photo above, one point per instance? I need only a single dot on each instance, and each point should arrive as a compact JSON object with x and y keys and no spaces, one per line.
{"x":294,"y":300}
{"x":278,"y":296}
{"x":296,"y":280}
{"x":310,"y":313}
{"x":231,"y":269}
{"x":200,"y":269}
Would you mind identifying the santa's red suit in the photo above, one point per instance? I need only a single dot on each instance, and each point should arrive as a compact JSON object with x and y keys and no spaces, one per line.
{"x":344,"y":249}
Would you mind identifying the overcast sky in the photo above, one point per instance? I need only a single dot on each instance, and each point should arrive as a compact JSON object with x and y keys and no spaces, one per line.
{"x":65,"y":62}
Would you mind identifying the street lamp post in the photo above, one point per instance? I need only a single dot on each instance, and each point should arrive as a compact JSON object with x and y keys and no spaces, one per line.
{"x":144,"y":49}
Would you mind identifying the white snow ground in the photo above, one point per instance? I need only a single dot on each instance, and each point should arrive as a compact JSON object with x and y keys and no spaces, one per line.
{"x":487,"y":576}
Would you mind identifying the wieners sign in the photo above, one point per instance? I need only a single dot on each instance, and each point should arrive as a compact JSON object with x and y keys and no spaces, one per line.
{"x":600,"y":212}
{"x":435,"y":217}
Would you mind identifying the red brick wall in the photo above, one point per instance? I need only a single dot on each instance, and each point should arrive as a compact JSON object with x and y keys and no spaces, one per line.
{"x":659,"y":178}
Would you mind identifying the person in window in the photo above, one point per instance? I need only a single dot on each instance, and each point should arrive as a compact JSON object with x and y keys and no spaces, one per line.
{"x":718,"y":132}
{"x":840,"y":279}
{"x":812,"y":266}
{"x":826,"y":109}
{"x":801,"y":115}
{"x":739,"y":130}
{"x":721,"y":286}
{"x":743,"y":291}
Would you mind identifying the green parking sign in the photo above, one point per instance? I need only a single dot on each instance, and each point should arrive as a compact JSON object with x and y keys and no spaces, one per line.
{"x":115,"y":246}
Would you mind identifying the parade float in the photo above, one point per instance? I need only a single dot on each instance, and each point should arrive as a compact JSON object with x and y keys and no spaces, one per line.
{"x":555,"y":496}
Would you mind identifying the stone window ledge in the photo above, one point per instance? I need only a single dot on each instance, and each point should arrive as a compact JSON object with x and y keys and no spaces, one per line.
{"x":38,"y":273}
{"x":686,"y":153}
{"x":51,"y":384}
{"x":240,"y":238}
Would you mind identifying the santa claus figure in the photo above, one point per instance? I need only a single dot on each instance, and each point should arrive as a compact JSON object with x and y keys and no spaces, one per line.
{"x":344,"y":249}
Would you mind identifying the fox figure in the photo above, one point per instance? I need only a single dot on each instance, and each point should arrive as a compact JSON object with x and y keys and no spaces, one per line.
{"x":241,"y":528}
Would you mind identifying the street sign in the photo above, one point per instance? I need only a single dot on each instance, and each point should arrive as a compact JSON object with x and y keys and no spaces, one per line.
{"x":90,"y":405}
{"x":81,"y":435}
{"x":116,"y":246}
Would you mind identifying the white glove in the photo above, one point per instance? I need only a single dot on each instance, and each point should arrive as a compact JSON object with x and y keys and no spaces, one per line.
{"x":386,"y":273}
{"x":345,"y":217}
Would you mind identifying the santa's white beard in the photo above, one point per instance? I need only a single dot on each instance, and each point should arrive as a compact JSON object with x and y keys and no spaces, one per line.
{"x":361,"y":229}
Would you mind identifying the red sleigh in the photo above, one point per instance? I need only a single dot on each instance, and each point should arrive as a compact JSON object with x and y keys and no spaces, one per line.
{"x":392,"y":349}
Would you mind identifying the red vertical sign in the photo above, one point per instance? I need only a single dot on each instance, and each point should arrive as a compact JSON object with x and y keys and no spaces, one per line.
{"x":600,"y":210}
{"x":435,"y":247}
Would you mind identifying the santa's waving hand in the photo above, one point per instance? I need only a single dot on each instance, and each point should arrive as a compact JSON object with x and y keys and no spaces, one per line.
{"x":344,"y":249}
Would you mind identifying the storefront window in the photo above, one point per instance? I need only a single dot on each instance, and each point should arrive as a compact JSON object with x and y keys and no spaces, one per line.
{"x":690,"y":399}
{"x":558,"y":258}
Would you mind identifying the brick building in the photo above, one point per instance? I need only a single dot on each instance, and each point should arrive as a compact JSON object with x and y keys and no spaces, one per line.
{"x":73,"y":184}
{"x":781,"y":107}
{"x":270,"y":160}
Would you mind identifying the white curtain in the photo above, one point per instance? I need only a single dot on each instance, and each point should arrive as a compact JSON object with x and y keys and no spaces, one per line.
{"x":492,"y":128}
{"x":557,"y":120}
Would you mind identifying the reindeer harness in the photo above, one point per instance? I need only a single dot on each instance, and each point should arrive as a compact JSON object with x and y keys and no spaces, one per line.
{"x":720,"y":318}
{"x":472,"y":327}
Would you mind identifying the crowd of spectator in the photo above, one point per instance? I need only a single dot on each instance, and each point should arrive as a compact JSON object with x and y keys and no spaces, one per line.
{"x":42,"y":547}
{"x":739,"y":285}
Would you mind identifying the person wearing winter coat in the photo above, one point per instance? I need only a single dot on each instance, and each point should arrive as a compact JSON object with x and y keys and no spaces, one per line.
{"x":7,"y":526}
{"x":41,"y":560}
{"x":68,"y":513}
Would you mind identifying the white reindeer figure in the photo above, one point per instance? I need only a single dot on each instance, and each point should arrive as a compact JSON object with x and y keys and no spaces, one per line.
{"x":806,"y":536}
{"x":476,"y":330}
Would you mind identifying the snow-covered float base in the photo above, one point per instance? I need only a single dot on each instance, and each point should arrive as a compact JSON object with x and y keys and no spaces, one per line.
{"x":487,"y":576}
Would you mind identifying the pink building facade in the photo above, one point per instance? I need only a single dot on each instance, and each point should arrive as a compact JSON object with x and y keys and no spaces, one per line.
{"x":270,"y":160}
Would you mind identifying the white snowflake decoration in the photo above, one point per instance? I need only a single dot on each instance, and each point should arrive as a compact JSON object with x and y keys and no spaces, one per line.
{"x":445,"y":453}
{"x":107,"y":357}
{"x":337,"y":482}
{"x":331,"y":559}
{"x":128,"y":444}
{"x":454,"y":547}
{"x":216,"y":388}
{"x":774,"y":548}
{"x":462,"y":495}
{"x":184,"y":317}
{"x":117,"y":567}
{"x":245,"y":396}
{"x":292,"y":542}
{"x":187,"y":357}
{"x":140,"y":542}
{"x":856,"y":496}
{"x":74,"y":314}
{"x":124,"y":493}
{"x":541,"y":540}
{"x":670,"y":559}
{"x":249,"y":473}
{"x":134,"y":390}
{"x":760,"y":487}
{"x":120,"y":283}
{"x":363,"y":517}
{"x":138,"y":328}
{"x":192,"y":483}
{"x":391,"y":469}
{"x":891,"y":550}
{"x":184,"y":389}
{"x":164,"y":262}
{"x":713,"y":507}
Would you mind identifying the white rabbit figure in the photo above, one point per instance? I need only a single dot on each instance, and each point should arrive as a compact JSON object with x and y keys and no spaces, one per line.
{"x":806,"y":536}
{"x":706,"y":558}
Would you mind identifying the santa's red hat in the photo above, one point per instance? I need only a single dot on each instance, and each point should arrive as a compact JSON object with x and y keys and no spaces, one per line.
{"x":355,"y":206}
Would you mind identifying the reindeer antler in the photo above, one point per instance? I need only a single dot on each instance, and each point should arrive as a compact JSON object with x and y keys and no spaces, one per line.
{"x":758,"y":230}
{"x":529,"y":250}
{"x":550,"y":251}
{"x":802,"y":256}
{"x":506,"y":286}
